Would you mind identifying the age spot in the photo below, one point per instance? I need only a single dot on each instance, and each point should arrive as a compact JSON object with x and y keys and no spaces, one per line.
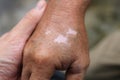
{"x":61,"y":39}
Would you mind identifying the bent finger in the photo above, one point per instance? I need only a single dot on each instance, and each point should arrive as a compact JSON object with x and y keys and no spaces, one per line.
{"x":77,"y":70}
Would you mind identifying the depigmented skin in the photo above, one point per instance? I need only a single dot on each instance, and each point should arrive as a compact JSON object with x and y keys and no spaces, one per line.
{"x":58,"y":43}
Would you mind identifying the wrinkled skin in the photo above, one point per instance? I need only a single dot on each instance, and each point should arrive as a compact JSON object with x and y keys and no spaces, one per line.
{"x":13,"y":42}
{"x":58,"y":43}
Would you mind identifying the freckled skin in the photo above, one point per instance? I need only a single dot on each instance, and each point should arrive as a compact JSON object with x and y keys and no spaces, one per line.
{"x":42,"y":56}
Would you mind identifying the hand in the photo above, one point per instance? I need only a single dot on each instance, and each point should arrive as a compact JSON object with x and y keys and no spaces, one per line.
{"x":12,"y":43}
{"x":58,"y":43}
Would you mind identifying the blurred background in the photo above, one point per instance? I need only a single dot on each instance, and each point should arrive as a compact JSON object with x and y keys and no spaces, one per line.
{"x":102,"y":17}
{"x":102,"y":20}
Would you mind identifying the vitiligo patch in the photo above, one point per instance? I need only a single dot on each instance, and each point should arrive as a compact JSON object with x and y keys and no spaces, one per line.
{"x":47,"y":32}
{"x":71,"y":32}
{"x":61,"y":39}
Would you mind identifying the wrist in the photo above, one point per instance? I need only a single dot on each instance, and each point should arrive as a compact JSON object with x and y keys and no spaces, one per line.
{"x":70,"y":5}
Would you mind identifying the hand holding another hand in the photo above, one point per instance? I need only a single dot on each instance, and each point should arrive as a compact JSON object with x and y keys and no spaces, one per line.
{"x":13,"y":42}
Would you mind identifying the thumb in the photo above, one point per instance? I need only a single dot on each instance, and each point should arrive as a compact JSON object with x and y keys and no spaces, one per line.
{"x":26,"y":26}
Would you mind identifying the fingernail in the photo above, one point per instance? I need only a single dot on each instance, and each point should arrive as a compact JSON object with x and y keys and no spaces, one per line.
{"x":40,"y":4}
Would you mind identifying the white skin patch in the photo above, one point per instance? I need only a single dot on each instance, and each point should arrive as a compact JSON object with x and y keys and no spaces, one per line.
{"x":71,"y":31}
{"x":61,"y":39}
{"x":47,"y":32}
{"x":64,"y":39}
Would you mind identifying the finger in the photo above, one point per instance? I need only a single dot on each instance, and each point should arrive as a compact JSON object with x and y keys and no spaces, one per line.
{"x":42,"y":68}
{"x":4,"y":35}
{"x":42,"y":74}
{"x":26,"y":26}
{"x":25,"y":74}
{"x":77,"y":70}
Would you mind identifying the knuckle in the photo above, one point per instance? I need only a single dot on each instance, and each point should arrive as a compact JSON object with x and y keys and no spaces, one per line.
{"x":41,"y":59}
{"x":85,"y":66}
{"x":78,"y":67}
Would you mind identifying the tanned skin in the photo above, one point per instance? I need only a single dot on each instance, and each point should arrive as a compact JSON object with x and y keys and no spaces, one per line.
{"x":58,"y":43}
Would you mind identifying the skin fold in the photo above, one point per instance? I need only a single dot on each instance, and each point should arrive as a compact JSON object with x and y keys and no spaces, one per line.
{"x":58,"y":43}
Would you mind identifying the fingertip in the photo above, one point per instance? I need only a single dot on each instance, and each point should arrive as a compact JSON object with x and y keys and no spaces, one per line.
{"x":41,"y":4}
